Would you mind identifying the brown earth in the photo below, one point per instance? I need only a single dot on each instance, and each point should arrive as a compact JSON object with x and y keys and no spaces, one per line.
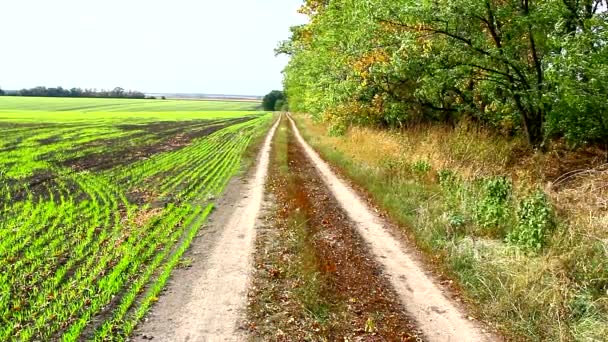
{"x":170,"y":136}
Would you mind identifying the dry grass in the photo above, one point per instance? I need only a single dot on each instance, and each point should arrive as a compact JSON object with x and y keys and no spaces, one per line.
{"x":559,"y":293}
{"x":578,"y":185}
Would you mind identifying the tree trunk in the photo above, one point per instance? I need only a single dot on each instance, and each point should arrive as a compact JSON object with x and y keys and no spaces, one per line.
{"x":533,"y":127}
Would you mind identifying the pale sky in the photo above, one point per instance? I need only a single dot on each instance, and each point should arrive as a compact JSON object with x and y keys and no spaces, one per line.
{"x":187,"y":46}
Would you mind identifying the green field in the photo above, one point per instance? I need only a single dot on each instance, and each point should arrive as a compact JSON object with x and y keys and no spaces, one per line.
{"x":98,"y":207}
{"x":86,"y":105}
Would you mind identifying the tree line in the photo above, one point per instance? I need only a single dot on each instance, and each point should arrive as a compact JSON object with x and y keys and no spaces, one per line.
{"x":533,"y":67}
{"x":117,"y":92}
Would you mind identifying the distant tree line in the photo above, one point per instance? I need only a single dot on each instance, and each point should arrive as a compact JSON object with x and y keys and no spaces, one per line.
{"x":529,"y":67}
{"x":117,"y":93}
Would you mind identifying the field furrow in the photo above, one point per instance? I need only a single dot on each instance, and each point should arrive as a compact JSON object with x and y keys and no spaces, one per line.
{"x":97,"y":211}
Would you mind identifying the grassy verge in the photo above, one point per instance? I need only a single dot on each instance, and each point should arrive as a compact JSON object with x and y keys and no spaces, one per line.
{"x":528,"y":248}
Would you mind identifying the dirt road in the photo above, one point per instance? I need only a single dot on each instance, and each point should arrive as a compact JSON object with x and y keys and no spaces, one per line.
{"x":315,"y":279}
{"x":372,"y":281}
{"x":204,"y":302}
{"x":439,"y":318}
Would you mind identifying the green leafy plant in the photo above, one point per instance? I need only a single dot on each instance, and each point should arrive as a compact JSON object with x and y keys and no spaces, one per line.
{"x":337,"y":128}
{"x":447,"y":179}
{"x":493,"y":207}
{"x":456,"y":220}
{"x":421,"y":167}
{"x":534,"y":222}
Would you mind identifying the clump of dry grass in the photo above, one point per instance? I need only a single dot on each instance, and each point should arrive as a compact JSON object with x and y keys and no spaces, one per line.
{"x":583,"y":190}
{"x":557,"y":293}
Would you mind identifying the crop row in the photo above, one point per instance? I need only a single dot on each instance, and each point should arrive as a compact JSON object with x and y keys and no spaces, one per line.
{"x":84,"y":254}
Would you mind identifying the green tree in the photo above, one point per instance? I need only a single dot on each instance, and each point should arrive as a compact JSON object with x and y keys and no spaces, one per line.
{"x":580,"y":75}
{"x":270,"y":100}
{"x":280,"y":105}
{"x":76,"y":92}
{"x":496,"y":48}
{"x":395,"y":63}
{"x":117,"y":92}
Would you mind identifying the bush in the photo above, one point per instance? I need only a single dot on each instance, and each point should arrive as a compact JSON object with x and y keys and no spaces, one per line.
{"x":421,"y":167}
{"x":456,"y":220}
{"x":492,"y":210}
{"x":534,"y":223}
{"x":446,"y":178}
{"x":280,"y":105}
{"x":337,"y":128}
{"x":270,"y":100}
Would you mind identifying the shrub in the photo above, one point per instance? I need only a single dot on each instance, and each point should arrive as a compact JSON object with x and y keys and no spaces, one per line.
{"x":499,"y":188}
{"x":456,"y":220}
{"x":421,"y":167}
{"x":446,"y":178}
{"x":337,"y":129}
{"x":493,"y":208}
{"x":394,"y":166}
{"x":534,"y":222}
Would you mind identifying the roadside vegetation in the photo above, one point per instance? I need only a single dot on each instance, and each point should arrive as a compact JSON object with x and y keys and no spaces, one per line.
{"x":530,"y":254}
{"x":481,"y":127}
{"x":98,"y":209}
{"x":274,"y":101}
{"x":537,"y":69}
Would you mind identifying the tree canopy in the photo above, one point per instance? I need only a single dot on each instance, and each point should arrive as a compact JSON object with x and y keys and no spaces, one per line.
{"x":533,"y":67}
{"x":273,"y":100}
